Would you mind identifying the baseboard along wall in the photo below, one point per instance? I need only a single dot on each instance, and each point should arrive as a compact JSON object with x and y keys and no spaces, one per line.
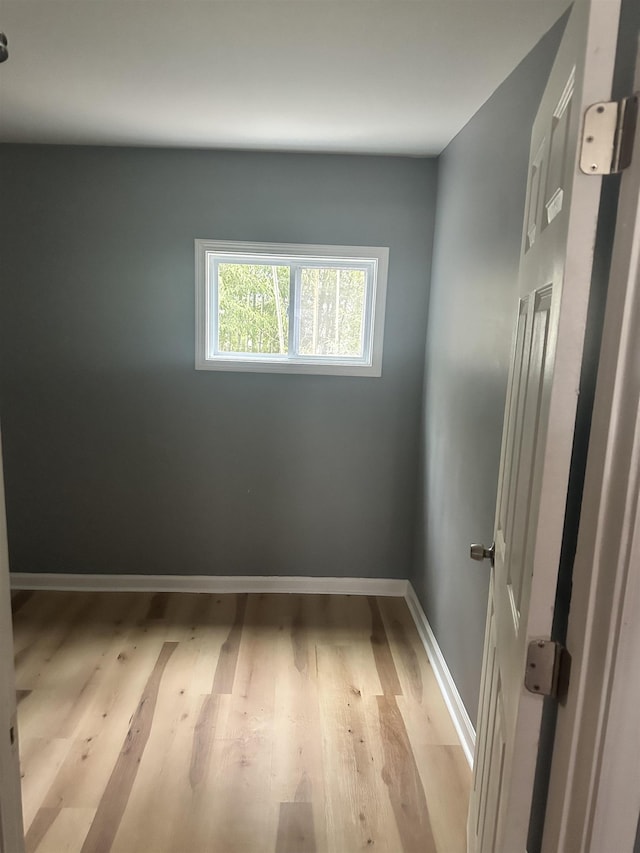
{"x":453,"y":700}
{"x":278,"y":584}
{"x":209,"y":583}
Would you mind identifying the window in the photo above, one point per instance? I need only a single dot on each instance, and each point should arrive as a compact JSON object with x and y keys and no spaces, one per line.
{"x":290,"y":308}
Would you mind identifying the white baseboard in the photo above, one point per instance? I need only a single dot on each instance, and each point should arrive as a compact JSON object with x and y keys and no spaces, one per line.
{"x":452,"y":698}
{"x":208,"y":583}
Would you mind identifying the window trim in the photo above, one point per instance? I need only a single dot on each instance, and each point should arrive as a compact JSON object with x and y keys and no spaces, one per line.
{"x":376,"y":258}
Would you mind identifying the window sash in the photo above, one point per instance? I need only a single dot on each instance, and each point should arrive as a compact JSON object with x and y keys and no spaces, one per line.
{"x":295,"y":265}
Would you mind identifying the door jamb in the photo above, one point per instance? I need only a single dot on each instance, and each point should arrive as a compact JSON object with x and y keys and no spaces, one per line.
{"x":594,"y":788}
{"x":11,"y":830}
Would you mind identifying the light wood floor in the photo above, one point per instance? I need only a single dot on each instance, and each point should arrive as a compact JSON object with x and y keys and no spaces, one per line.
{"x":177,"y":723}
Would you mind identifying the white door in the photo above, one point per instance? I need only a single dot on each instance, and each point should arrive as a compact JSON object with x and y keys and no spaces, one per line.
{"x":11,"y":832}
{"x":555,"y":270}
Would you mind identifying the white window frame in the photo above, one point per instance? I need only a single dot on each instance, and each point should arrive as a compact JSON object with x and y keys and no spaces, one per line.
{"x":375,"y":260}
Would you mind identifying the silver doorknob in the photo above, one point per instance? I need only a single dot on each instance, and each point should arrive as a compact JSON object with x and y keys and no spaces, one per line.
{"x":479,"y":552}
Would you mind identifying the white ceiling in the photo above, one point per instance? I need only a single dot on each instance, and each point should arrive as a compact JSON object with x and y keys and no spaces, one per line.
{"x":391,"y":77}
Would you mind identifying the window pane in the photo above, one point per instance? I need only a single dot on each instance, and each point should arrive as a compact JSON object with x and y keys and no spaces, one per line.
{"x":253,"y":308}
{"x":332,"y":303}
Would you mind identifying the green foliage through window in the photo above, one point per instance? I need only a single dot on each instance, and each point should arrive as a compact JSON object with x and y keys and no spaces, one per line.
{"x":253,"y":308}
{"x":254,"y":302}
{"x":331,"y":311}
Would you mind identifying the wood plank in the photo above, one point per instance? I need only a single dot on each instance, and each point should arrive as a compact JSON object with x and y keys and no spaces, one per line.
{"x":295,"y":829}
{"x":114,"y":801}
{"x":244,"y":816}
{"x":40,"y":825}
{"x":382,"y":653}
{"x":70,"y":678}
{"x":446,"y":778}
{"x":358,"y":813}
{"x":228,"y":659}
{"x":171,"y":785}
{"x":252,"y":701}
{"x":43,"y":633}
{"x":421,"y":703}
{"x":340,"y":669}
{"x":344,"y":620}
{"x":40,"y":761}
{"x":213,"y":617}
{"x":101,"y":731}
{"x":405,"y":645}
{"x":67,"y":831}
{"x":42,"y":616}
{"x":194,"y":821}
{"x":297,"y":773}
{"x":348,"y":623}
{"x":299,"y":637}
{"x":20,"y":598}
{"x":400,"y":775}
{"x":179,"y":616}
{"x":161,"y":793}
{"x":158,"y":606}
{"x":203,"y":736}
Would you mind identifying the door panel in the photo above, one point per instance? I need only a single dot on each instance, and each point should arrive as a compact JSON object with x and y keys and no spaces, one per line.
{"x":518,"y":561}
{"x":555,"y":272}
{"x":492,"y":746}
{"x":534,"y":196}
{"x":514,"y":415}
{"x":559,"y":163}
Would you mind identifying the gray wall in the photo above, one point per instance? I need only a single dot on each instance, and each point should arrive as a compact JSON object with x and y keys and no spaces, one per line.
{"x":481,"y":193}
{"x":119,"y":456}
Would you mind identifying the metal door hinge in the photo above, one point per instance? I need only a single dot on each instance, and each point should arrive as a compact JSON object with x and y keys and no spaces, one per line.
{"x":608,"y":135}
{"x":547,"y":668}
